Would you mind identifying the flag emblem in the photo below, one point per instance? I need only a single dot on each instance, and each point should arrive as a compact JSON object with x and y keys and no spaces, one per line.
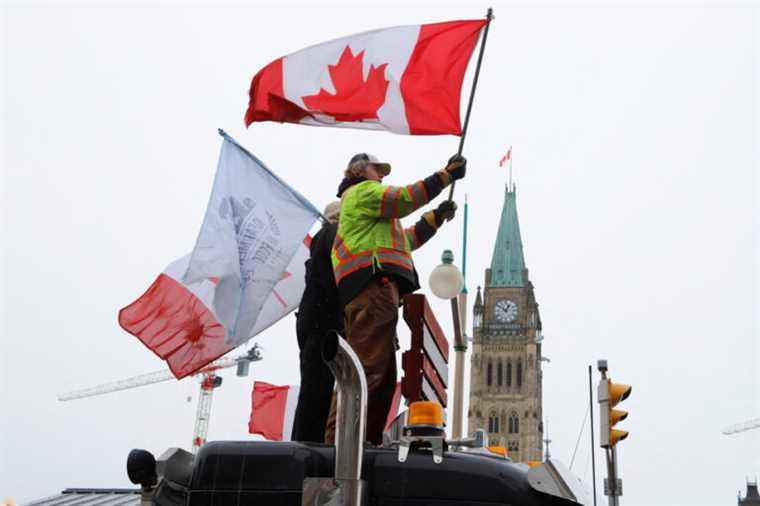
{"x":405,"y":79}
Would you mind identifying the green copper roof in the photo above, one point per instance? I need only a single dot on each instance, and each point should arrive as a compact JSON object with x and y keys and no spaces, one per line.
{"x":508,"y":263}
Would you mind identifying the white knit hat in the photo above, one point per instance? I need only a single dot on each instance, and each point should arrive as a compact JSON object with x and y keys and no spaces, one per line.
{"x":332,"y":211}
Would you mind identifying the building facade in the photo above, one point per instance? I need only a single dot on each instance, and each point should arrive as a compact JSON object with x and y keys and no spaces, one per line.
{"x":752,"y":498}
{"x":505,"y":372}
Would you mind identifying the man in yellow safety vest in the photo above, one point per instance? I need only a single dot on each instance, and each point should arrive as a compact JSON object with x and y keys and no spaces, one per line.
{"x":373,"y":267}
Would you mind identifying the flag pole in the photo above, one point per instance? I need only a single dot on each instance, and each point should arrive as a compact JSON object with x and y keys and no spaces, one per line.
{"x":489,"y":17}
{"x":510,"y":169}
{"x":293,"y":192}
{"x":464,"y":247}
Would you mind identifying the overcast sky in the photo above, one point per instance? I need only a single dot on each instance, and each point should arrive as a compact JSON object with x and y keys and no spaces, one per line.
{"x":635,"y":155}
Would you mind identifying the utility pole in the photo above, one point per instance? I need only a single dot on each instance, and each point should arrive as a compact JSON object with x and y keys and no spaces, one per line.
{"x":610,"y":394}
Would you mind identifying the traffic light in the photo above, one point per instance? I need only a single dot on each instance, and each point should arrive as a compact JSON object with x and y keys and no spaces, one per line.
{"x":610,"y":395}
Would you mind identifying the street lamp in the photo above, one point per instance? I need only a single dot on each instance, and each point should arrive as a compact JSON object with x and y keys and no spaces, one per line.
{"x":446,"y":282}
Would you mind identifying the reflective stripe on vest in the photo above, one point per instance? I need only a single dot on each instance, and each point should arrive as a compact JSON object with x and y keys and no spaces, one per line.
{"x":365,"y":259}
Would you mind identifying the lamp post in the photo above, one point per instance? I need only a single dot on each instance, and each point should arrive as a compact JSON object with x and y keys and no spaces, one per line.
{"x":446,"y":282}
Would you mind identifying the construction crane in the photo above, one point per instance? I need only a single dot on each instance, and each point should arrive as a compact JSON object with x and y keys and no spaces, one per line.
{"x":742,"y":427}
{"x":209,"y":381}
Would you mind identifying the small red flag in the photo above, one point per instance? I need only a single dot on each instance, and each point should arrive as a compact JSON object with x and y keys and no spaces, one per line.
{"x":272,"y":410}
{"x":506,"y":157}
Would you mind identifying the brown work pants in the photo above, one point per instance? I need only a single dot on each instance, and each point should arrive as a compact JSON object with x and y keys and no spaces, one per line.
{"x":371,"y":331}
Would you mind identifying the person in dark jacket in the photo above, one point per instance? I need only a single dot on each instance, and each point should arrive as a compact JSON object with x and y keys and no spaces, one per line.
{"x":318,"y":313}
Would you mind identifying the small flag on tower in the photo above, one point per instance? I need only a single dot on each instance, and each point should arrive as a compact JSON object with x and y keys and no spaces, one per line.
{"x":507,"y":157}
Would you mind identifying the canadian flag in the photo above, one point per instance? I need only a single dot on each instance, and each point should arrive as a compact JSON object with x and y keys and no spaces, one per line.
{"x":176,"y":320}
{"x":406,"y":79}
{"x":506,"y":157}
{"x":273,"y":409}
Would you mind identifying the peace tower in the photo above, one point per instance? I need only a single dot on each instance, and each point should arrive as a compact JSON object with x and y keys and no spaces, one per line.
{"x":505,"y":372}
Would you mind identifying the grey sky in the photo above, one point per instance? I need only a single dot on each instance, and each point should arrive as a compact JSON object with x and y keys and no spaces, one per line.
{"x":633,"y":131}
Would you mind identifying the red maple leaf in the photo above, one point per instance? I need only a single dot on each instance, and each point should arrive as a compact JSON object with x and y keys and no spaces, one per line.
{"x":355,"y":99}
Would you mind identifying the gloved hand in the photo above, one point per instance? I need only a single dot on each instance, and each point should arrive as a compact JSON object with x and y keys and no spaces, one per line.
{"x":456,"y":167}
{"x":445,"y":211}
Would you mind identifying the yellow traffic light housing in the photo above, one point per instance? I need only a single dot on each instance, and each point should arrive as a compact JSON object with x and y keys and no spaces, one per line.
{"x":617,"y":435}
{"x":618,"y":392}
{"x":610,"y":395}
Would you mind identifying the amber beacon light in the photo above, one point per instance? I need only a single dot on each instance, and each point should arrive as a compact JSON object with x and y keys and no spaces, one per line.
{"x":425,"y":413}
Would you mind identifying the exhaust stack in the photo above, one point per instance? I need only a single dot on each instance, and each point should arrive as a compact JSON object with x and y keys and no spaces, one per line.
{"x":351,"y":419}
{"x":347,"y":488}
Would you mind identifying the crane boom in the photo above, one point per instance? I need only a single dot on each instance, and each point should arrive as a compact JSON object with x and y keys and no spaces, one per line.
{"x":115,"y":386}
{"x":209,"y":381}
{"x":150,"y":378}
{"x":742,"y":427}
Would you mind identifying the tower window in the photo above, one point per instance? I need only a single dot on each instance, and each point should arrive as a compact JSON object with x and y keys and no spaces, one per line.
{"x":489,"y":374}
{"x":519,"y":373}
{"x":493,"y":423}
{"x":499,"y":374}
{"x":509,"y":373}
{"x":513,"y":423}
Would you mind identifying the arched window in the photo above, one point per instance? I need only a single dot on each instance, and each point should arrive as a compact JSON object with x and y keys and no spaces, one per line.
{"x":493,"y":423}
{"x":519,"y":373}
{"x":489,"y":374}
{"x":514,"y":423}
{"x":499,"y":374}
{"x":509,"y":373}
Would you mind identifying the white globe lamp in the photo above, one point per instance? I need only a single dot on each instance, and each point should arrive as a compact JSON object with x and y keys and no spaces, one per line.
{"x":446,"y":281}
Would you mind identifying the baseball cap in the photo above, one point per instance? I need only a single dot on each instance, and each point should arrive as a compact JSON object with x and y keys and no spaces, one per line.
{"x":382,"y":167}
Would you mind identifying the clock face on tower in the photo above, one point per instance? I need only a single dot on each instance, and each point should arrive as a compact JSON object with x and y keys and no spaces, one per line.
{"x":505,"y":311}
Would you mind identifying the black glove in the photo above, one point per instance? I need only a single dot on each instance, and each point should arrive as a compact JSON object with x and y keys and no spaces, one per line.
{"x":456,"y":167}
{"x":445,"y":211}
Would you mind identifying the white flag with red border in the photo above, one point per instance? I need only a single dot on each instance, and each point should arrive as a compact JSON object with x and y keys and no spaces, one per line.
{"x":176,"y":320}
{"x":406,"y":79}
{"x":244,"y":274}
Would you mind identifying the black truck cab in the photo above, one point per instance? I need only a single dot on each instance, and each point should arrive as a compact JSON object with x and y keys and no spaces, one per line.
{"x":416,"y":466}
{"x":258,"y":473}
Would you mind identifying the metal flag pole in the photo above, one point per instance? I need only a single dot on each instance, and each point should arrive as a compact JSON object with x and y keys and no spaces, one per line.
{"x":489,"y":17}
{"x":464,"y":246}
{"x":591,"y":412}
{"x":459,"y":314}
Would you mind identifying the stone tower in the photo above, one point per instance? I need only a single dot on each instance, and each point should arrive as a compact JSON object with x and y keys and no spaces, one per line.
{"x":752,"y":498}
{"x":505,"y":372}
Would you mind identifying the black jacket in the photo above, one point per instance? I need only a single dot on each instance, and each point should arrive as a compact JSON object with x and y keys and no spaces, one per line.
{"x":320,"y":309}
